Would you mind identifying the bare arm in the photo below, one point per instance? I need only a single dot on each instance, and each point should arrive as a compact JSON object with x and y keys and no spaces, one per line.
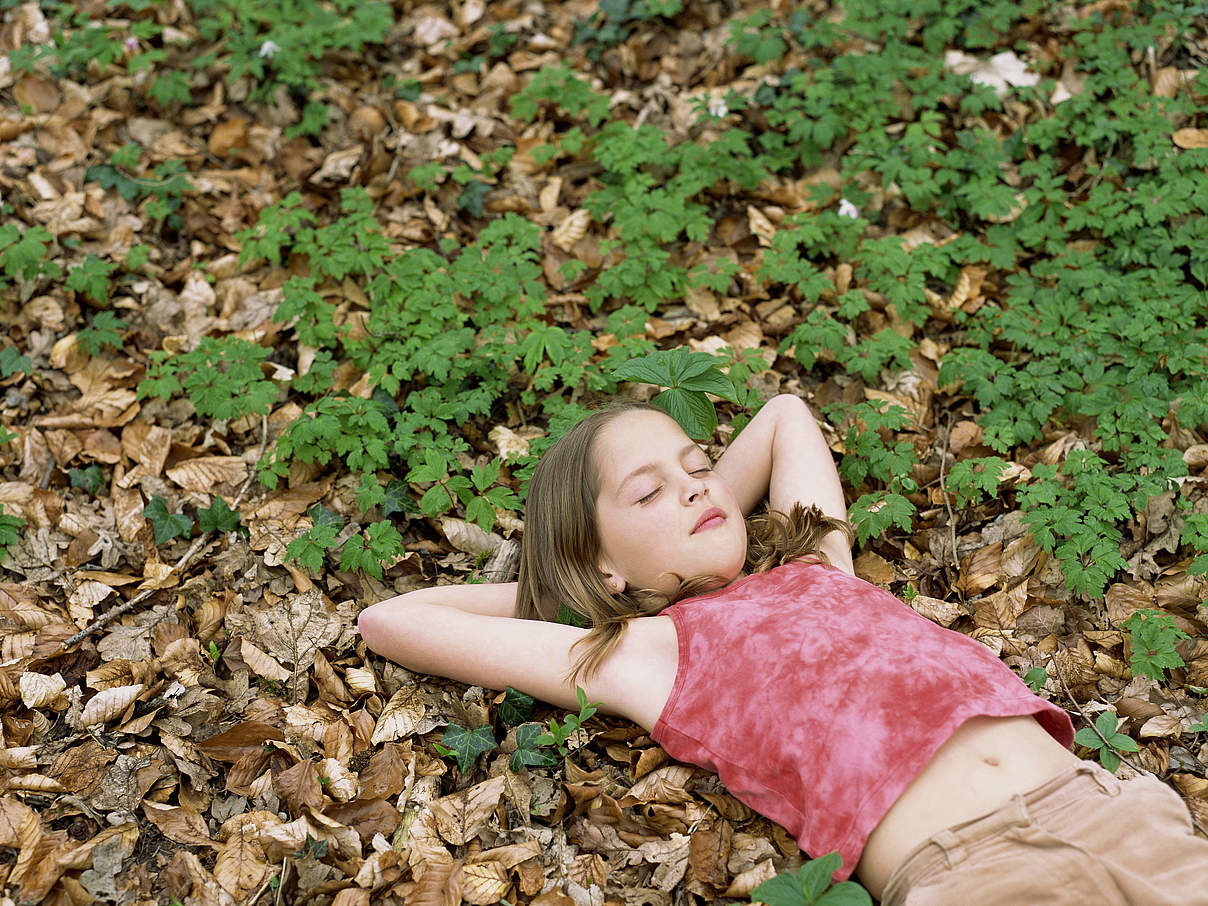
{"x":782,"y":455}
{"x":467,"y":633}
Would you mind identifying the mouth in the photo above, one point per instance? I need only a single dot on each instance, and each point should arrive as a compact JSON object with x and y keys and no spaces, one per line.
{"x":710,"y":519}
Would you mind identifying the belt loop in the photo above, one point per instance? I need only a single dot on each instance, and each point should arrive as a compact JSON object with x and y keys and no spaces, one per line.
{"x":1108,"y":782}
{"x":953,"y":849}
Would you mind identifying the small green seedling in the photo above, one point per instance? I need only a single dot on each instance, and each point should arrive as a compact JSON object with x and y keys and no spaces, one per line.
{"x":1108,"y":741}
{"x":1035,"y":678}
{"x":559,"y":733}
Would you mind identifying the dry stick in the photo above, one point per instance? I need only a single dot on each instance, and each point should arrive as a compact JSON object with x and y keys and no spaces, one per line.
{"x":198,"y":543}
{"x":1090,"y":723}
{"x":956,"y":565}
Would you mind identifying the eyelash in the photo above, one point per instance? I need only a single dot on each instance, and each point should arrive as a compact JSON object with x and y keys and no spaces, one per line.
{"x":649,"y":497}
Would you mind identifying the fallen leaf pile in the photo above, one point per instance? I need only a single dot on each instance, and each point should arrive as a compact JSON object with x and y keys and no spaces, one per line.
{"x":224,"y":738}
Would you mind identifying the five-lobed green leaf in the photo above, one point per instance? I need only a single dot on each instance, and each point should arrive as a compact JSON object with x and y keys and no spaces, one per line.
{"x":466,"y":745}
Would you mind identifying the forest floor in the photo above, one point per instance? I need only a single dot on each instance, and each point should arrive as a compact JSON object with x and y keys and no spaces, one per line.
{"x":293,"y":292}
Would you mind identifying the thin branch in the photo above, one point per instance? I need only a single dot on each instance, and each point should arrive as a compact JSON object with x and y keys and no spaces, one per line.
{"x":1090,"y":723}
{"x":956,"y":565}
{"x":198,"y":543}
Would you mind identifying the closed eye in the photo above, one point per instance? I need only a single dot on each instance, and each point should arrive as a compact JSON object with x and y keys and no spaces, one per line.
{"x":649,"y":497}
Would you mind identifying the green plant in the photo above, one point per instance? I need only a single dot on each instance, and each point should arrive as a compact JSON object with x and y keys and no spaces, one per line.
{"x":561,"y":87}
{"x":688,"y":377}
{"x":811,"y":886}
{"x":283,"y":45}
{"x":165,"y":524}
{"x":309,"y":548}
{"x":10,"y":532}
{"x":614,"y":21}
{"x":104,"y":331}
{"x":221,"y":377}
{"x":90,"y":479}
{"x":1036,"y":678}
{"x":1108,"y":741}
{"x":366,"y":552}
{"x":972,"y":480}
{"x":91,"y":278}
{"x":1153,"y":635}
{"x":218,"y":517}
{"x":465,"y":745}
{"x":12,"y":361}
{"x":559,"y":734}
{"x":23,"y":254}
{"x":161,"y":192}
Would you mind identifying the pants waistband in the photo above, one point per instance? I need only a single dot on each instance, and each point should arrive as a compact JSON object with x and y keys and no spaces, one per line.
{"x":950,"y":847}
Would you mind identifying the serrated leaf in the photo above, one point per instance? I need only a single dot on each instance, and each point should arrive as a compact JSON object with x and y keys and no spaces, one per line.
{"x":691,"y":409}
{"x":12,"y":361}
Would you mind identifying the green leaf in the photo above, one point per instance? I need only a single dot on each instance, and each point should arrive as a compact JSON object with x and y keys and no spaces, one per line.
{"x":12,"y":361}
{"x":516,"y":707}
{"x":1036,"y":678}
{"x":815,"y":875}
{"x":782,"y":890}
{"x":90,"y":479}
{"x":528,"y":749}
{"x":466,"y":745}
{"x":10,"y":531}
{"x":166,"y":525}
{"x":1089,"y":738}
{"x":397,"y":499}
{"x":218,"y":518}
{"x":846,"y":893}
{"x":692,"y":409}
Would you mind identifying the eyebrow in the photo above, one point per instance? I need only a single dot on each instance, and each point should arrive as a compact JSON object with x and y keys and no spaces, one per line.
{"x":651,"y":466}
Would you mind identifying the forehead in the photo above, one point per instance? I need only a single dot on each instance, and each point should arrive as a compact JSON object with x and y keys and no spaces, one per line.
{"x":634,"y":439}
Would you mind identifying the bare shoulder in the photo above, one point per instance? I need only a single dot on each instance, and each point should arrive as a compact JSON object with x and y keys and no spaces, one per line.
{"x":641,"y":670}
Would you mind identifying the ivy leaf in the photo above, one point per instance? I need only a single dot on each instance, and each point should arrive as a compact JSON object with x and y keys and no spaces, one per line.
{"x":166,"y":525}
{"x":218,"y":518}
{"x":90,"y":479}
{"x":397,"y":499}
{"x":12,"y":361}
{"x":528,"y":749}
{"x":466,"y":745}
{"x":516,"y":707}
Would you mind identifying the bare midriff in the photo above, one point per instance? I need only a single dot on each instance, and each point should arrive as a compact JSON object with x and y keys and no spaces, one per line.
{"x":981,"y":766}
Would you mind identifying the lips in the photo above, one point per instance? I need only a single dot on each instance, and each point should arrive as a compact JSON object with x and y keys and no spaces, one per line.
{"x":710,"y":518}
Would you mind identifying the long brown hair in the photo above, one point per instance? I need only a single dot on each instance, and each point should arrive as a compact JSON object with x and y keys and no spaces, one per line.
{"x":560,"y":550}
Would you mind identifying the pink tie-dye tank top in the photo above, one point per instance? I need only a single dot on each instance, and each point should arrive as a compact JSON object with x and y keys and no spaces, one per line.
{"x":817,"y":697}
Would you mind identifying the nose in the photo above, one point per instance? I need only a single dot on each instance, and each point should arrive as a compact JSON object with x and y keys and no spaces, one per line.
{"x":696,"y":490}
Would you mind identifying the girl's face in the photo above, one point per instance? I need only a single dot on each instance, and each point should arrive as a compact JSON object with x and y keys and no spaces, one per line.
{"x":663,"y":515}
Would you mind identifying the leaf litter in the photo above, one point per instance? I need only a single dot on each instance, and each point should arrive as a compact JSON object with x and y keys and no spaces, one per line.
{"x":227,"y":739}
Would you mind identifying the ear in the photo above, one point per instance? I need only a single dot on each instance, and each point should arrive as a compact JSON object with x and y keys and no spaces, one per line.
{"x":613,"y":577}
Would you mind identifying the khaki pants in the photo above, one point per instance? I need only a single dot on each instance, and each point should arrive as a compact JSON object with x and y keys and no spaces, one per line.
{"x":1084,"y":838}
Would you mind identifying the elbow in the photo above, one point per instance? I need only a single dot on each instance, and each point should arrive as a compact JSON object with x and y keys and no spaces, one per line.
{"x":371,"y":625}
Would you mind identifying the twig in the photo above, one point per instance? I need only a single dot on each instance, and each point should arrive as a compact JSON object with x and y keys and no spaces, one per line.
{"x":1090,"y":723}
{"x":198,"y":543}
{"x":956,"y":566}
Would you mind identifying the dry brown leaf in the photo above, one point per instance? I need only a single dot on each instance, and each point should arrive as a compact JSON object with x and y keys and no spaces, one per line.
{"x":19,"y":758}
{"x":462,"y":816}
{"x":204,"y":473}
{"x":41,"y":691}
{"x":468,"y":536}
{"x":761,"y":227}
{"x":945,"y":613}
{"x":1191,"y":138}
{"x":484,"y":883}
{"x":179,"y":823}
{"x":360,"y":680}
{"x":401,"y":715}
{"x":572,"y":228}
{"x":261,"y":663}
{"x":667,"y":784}
{"x":240,"y":866}
{"x":299,"y":787}
{"x":109,"y":704}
